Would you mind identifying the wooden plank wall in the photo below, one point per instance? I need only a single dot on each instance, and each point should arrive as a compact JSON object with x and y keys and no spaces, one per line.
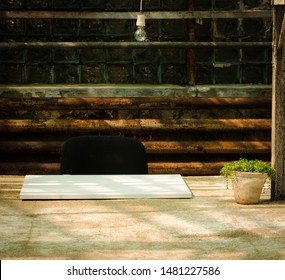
{"x":177,"y":138}
{"x":187,"y":134}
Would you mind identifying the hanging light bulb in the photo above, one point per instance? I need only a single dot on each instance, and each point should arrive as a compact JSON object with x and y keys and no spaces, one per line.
{"x":140,"y":34}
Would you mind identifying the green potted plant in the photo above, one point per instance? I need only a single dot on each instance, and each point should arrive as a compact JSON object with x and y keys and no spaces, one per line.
{"x":248,"y":178}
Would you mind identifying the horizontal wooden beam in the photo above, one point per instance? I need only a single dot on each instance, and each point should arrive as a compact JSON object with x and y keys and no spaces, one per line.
{"x":183,"y":168}
{"x":44,"y":147}
{"x":58,"y":126}
{"x":132,"y":45}
{"x":24,"y":168}
{"x":129,"y":103}
{"x":207,"y":147}
{"x":133,"y":90}
{"x":132,"y":15}
{"x":16,"y":147}
{"x":186,"y":168}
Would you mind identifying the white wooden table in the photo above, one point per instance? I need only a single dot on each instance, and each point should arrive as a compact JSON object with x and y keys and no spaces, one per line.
{"x":104,"y":186}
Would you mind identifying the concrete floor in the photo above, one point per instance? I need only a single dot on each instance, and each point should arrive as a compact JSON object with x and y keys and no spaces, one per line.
{"x":209,"y":226}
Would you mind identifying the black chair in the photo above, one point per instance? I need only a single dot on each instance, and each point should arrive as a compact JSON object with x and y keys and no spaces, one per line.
{"x":87,"y":155}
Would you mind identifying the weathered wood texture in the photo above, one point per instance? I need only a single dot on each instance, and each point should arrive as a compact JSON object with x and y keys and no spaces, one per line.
{"x":278,"y":133}
{"x":131,"y":45}
{"x":189,"y":168}
{"x":133,"y":15}
{"x":14,"y":147}
{"x":278,"y":2}
{"x":142,"y":103}
{"x":107,"y":126}
{"x":185,"y":135}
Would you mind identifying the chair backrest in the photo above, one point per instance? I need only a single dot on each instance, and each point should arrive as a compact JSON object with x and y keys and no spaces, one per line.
{"x":87,"y":155}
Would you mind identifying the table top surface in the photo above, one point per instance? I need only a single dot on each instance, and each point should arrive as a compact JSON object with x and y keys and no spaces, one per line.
{"x":208,"y":226}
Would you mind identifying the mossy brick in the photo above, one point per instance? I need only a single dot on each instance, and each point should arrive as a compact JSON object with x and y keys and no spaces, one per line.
{"x":94,"y":27}
{"x":171,"y":73}
{"x":146,"y":55}
{"x":226,"y":74}
{"x":66,"y":27}
{"x":227,"y":55}
{"x":117,"y":28}
{"x":90,"y":55}
{"x":93,"y":73}
{"x":173,"y":29}
{"x":11,"y":73}
{"x":253,"y":28}
{"x":38,"y":73}
{"x":204,"y":55}
{"x":38,"y":27}
{"x":203,"y":32}
{"x":254,"y":74}
{"x":120,"y":74}
{"x":254,"y":55}
{"x":173,"y":55}
{"x":227,"y":29}
{"x":65,"y":56}
{"x":119,"y":56}
{"x":146,"y":74}
{"x":12,"y":56}
{"x":204,"y":74}
{"x":40,"y":56}
{"x":64,"y":74}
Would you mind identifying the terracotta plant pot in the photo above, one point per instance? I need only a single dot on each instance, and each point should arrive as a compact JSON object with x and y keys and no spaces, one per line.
{"x":248,"y":186}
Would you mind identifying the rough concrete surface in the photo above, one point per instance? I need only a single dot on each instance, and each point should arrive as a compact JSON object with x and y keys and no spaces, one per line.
{"x":209,"y":226}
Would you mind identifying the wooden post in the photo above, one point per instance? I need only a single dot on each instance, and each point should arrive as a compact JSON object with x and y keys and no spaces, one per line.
{"x":278,"y":98}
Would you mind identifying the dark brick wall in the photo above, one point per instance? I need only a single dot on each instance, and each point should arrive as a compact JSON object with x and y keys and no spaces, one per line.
{"x":156,"y":66}
{"x":233,"y":65}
